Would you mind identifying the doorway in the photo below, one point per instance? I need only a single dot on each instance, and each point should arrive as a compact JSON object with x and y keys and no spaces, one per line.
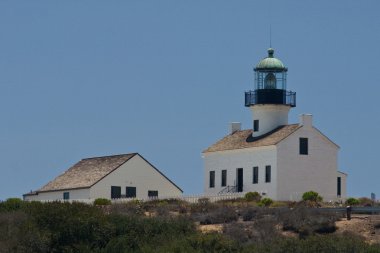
{"x":239,"y":180}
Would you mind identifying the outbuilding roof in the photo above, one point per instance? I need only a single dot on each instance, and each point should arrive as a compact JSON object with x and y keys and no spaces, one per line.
{"x":243,"y":139}
{"x":86,"y":172}
{"x":89,"y":171}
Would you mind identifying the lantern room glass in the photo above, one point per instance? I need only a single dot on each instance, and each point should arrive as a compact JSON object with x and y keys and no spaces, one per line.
{"x":270,"y":80}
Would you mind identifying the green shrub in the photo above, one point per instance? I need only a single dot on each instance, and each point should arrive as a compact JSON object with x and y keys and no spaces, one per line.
{"x":265,"y":202}
{"x":102,"y":202}
{"x":365,"y":201}
{"x":252,"y":196}
{"x":352,"y":201}
{"x":311,"y":196}
{"x":211,"y":243}
{"x":11,"y":204}
{"x":314,"y":244}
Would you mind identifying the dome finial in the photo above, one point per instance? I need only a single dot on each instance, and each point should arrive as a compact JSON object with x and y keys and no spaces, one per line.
{"x":270,"y":52}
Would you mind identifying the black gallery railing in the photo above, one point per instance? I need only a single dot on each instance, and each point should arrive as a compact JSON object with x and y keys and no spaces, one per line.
{"x":270,"y":96}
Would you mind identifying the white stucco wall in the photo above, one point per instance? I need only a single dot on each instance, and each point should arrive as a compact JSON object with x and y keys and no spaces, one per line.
{"x":231,"y":160}
{"x":316,"y":171}
{"x":58,"y":195}
{"x":270,"y":117}
{"x":136,"y":173}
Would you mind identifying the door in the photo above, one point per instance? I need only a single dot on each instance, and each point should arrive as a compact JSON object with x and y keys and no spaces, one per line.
{"x":239,"y":180}
{"x":130,"y":192}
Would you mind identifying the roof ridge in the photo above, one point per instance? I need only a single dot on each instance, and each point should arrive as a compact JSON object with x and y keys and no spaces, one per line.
{"x":243,"y":139}
{"x":294,"y":124}
{"x":88,"y":158}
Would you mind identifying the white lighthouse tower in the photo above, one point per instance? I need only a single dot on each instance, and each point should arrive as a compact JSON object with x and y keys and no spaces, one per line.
{"x":270,"y":102}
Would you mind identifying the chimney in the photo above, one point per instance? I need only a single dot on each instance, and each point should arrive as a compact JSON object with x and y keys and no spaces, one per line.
{"x":235,"y":126}
{"x":306,"y":120}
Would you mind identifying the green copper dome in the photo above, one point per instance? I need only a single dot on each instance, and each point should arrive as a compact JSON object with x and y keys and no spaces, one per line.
{"x":270,"y":63}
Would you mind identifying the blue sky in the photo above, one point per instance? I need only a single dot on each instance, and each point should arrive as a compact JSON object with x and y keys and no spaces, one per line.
{"x":164,"y":78}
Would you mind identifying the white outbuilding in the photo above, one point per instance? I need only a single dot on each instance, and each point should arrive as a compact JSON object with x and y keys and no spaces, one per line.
{"x":111,"y":177}
{"x":277,"y":159}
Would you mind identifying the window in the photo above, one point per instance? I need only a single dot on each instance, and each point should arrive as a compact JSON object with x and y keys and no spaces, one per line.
{"x":130,"y":192}
{"x":212,"y":179}
{"x":153,"y":194}
{"x":66,"y":195}
{"x":256,"y":125}
{"x":304,"y":146}
{"x":115,"y":192}
{"x":255,"y":175}
{"x":224,"y":177}
{"x":239,"y":179}
{"x":267,"y":174}
{"x":339,"y":186}
{"x":270,"y":81}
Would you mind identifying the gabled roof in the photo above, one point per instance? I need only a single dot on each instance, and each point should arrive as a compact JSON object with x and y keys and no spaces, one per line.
{"x":89,"y":171}
{"x":86,"y":172}
{"x":243,"y":139}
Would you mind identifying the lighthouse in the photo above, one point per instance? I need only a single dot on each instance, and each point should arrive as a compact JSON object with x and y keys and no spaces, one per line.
{"x":270,"y":101}
{"x":277,"y":159}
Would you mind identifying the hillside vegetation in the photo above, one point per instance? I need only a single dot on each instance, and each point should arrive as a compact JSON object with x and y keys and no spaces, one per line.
{"x":171,"y":226}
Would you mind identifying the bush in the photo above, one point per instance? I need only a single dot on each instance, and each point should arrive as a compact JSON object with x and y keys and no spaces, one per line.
{"x":311,"y":196}
{"x":11,"y":204}
{"x":130,"y":208}
{"x":240,"y":232}
{"x":217,"y":216}
{"x":265,"y":229}
{"x":211,"y":243}
{"x":314,"y":244}
{"x":252,"y":196}
{"x":203,"y":206}
{"x":306,"y":221}
{"x":266,"y":202}
{"x":249,"y":214}
{"x":352,"y":202}
{"x":102,"y":202}
{"x":365,"y":201}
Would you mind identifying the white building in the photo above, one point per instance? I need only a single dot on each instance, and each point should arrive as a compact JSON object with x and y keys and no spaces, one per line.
{"x":279,"y":160}
{"x":111,"y":177}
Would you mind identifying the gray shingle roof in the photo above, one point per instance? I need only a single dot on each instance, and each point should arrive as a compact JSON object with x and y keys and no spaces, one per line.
{"x":243,"y":139}
{"x":86,"y":172}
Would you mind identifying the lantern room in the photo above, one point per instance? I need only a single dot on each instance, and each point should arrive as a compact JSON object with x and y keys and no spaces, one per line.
{"x":270,"y":83}
{"x":270,"y":73}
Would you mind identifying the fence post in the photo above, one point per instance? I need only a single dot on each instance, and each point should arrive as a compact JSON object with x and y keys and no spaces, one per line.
{"x":348,"y":210}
